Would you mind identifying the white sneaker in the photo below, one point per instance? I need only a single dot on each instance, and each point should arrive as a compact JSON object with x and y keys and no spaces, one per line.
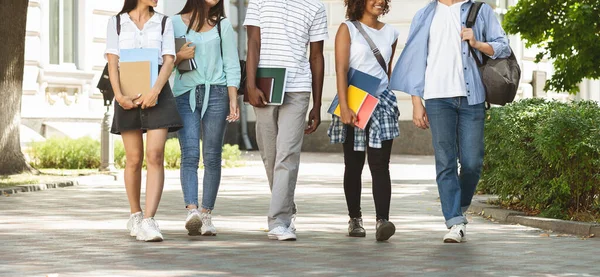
{"x":149,"y":231}
{"x":133,"y":225}
{"x":207,"y":229}
{"x":193,"y":222}
{"x":456,"y":234}
{"x":282,"y":233}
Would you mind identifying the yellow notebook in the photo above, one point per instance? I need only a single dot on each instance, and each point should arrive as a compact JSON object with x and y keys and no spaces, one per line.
{"x":356,"y":97}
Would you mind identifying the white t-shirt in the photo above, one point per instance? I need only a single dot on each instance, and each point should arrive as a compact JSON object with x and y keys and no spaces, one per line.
{"x":286,"y":28}
{"x":361,"y":56}
{"x":444,"y":76}
{"x":132,"y":37}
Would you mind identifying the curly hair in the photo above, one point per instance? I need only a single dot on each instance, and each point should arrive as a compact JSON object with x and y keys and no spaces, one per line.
{"x":356,"y":8}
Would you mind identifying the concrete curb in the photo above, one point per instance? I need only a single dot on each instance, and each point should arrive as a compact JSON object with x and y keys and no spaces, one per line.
{"x":37,"y":187}
{"x":583,"y":229}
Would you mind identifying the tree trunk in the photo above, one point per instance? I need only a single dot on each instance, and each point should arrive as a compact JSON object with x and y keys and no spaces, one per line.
{"x":13,"y":17}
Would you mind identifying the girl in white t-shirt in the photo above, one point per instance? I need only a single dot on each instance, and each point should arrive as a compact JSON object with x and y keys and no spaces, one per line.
{"x":152,"y":112}
{"x":353,"y":51}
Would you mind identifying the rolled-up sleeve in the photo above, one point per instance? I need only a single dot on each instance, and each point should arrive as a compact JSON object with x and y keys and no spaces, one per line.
{"x":231,"y":60}
{"x":168,"y":39}
{"x":112,"y":38}
{"x":495,"y":35}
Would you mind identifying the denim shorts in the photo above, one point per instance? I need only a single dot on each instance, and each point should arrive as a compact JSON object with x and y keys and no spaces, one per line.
{"x":162,"y":116}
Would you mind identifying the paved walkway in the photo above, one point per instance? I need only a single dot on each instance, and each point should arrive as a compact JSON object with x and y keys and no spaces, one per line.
{"x":79,"y":231}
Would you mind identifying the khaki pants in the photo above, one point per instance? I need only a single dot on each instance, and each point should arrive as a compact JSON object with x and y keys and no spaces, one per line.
{"x":279,"y":134}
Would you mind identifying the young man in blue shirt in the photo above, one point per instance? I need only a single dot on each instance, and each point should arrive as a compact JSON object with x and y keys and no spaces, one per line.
{"x":436,"y":66}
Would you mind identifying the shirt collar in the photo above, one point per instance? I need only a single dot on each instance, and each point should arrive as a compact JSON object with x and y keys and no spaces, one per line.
{"x":126,"y":18}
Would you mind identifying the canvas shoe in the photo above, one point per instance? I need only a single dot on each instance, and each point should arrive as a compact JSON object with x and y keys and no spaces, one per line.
{"x":149,"y":231}
{"x":193,"y":222}
{"x":133,"y":225}
{"x":456,"y":234}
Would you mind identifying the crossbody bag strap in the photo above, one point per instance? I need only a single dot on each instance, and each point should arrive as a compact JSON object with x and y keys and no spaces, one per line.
{"x":374,"y":48}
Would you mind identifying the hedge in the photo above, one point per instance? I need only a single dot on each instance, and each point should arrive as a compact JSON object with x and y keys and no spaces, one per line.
{"x":544,"y":155}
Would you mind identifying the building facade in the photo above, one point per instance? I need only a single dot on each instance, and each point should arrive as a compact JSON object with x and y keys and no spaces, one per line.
{"x":64,"y":56}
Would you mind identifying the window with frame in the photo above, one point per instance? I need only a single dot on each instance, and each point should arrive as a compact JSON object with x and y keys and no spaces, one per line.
{"x":62,"y":25}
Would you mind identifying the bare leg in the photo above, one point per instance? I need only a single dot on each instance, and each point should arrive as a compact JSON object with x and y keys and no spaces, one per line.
{"x":134,"y":154}
{"x":155,"y":177}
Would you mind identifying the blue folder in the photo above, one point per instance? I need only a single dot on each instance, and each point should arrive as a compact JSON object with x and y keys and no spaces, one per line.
{"x":142,"y":54}
{"x":362,"y":81}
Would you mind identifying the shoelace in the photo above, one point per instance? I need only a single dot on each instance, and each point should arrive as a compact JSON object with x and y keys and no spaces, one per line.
{"x":207,"y":219}
{"x":152,"y":223}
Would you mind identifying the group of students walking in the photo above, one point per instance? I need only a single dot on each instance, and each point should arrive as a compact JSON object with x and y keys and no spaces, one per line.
{"x":435,"y":67}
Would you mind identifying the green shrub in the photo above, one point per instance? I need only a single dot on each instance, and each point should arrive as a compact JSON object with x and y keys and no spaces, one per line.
{"x":231,"y":155}
{"x":544,"y":156}
{"x":66,"y":153}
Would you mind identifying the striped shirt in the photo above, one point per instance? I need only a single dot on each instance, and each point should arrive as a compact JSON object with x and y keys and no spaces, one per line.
{"x":286,"y":28}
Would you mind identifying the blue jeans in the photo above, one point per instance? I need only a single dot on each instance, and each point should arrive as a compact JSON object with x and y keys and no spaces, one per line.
{"x":211,"y":128}
{"x":457,"y":134}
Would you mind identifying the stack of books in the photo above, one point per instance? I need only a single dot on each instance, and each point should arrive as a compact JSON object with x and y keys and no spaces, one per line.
{"x":138,"y":70}
{"x":271,"y":81}
{"x":361,"y":97}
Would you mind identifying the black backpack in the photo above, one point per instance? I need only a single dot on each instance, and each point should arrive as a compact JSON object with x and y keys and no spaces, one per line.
{"x":500,"y":76}
{"x":104,"y":82}
{"x":242,"y":63}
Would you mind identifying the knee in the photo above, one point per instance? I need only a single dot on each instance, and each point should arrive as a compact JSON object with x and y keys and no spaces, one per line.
{"x":212,"y":160}
{"x":134,"y":160}
{"x":379,"y":165}
{"x":190,"y":157}
{"x":471,"y":166}
{"x":155,"y":157}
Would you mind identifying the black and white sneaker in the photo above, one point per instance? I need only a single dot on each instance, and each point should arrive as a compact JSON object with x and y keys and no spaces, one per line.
{"x":457,"y":233}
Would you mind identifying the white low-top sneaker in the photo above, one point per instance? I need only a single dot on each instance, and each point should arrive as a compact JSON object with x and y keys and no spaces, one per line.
{"x":207,"y":229}
{"x":456,"y":234}
{"x":193,"y":222}
{"x":133,"y":225}
{"x":149,"y":231}
{"x":282,"y":233}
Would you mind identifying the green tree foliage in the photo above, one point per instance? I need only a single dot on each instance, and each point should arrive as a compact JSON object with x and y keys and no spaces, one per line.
{"x":567,"y":31}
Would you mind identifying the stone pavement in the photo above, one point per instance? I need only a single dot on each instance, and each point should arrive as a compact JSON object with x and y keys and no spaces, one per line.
{"x":79,"y":231}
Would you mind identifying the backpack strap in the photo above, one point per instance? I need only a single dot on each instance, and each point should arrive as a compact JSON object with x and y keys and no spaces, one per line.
{"x":374,"y":48}
{"x":473,"y":12}
{"x":220,"y":38}
{"x":118,"y":17}
{"x":471,"y":18}
{"x":163,"y":23}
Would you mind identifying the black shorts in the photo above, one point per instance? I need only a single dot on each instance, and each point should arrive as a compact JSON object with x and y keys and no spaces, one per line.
{"x":162,"y":116}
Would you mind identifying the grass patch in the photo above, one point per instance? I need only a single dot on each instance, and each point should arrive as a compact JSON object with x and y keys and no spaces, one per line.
{"x":49,"y":175}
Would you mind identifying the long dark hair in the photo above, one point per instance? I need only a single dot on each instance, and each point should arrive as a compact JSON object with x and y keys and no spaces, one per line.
{"x":198,"y":8}
{"x":130,"y":5}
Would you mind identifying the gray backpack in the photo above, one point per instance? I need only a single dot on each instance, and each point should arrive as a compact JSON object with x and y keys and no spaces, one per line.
{"x":500,"y":76}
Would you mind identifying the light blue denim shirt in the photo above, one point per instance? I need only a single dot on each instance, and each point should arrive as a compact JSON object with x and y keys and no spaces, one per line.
{"x":211,"y":68}
{"x":409,"y":73}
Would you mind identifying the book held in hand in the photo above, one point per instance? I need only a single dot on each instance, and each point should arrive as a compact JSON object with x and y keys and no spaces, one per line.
{"x":185,"y":65}
{"x":277,"y":90}
{"x":266,"y":86}
{"x":134,"y":78}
